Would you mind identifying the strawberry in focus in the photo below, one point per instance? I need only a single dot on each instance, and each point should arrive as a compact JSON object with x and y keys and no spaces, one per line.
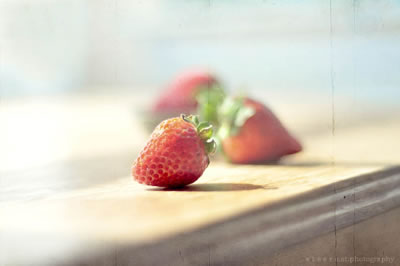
{"x":176,"y":154}
{"x":251,"y":133}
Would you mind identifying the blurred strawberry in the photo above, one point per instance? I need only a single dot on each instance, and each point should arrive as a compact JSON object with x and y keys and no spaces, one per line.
{"x":183,"y":95}
{"x":180,"y":95}
{"x":251,"y":133}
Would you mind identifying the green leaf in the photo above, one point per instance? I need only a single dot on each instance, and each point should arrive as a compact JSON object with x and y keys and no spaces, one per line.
{"x":210,"y":146}
{"x":206,"y":133}
{"x":243,"y":115}
{"x":196,"y":119}
{"x":233,"y":114}
{"x":209,"y":100}
{"x":193,"y":119}
{"x":229,"y":109}
{"x":202,"y":125}
{"x":204,"y":130}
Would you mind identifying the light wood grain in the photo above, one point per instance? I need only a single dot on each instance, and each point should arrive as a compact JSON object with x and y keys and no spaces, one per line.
{"x":142,"y":213}
{"x":74,"y":201}
{"x":125,"y":213}
{"x":373,"y":241}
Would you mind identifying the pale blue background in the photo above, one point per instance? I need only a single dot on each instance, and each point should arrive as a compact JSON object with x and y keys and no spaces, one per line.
{"x":277,"y":47}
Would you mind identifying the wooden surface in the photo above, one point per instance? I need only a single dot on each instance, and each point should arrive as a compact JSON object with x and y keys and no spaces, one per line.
{"x":222,"y":192}
{"x":371,"y":242}
{"x":78,"y":203}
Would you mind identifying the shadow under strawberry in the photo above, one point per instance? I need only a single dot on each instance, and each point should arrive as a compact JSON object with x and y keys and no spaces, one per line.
{"x":214,"y":187}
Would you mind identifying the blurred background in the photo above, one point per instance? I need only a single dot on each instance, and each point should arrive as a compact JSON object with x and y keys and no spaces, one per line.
{"x":53,"y":47}
{"x":75,"y":74}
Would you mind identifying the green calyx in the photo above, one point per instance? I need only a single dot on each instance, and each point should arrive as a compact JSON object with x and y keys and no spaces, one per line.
{"x":204,"y":131}
{"x":233,"y":113}
{"x":227,"y":114}
{"x":209,"y":100}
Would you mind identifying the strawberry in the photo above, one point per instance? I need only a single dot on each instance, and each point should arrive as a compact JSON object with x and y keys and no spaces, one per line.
{"x":251,"y":133}
{"x":180,"y":95}
{"x":189,"y":90}
{"x":176,"y":154}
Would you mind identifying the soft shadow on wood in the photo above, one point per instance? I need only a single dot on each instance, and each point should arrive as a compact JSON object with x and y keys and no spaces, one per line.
{"x":214,"y":187}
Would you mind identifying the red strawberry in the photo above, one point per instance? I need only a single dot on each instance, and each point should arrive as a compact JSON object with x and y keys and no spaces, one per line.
{"x":176,"y":154}
{"x":180,"y":95}
{"x":251,"y":133}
